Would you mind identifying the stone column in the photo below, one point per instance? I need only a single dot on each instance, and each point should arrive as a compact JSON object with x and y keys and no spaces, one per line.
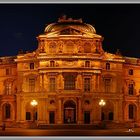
{"x":79,"y":81}
{"x":96,"y":82}
{"x":59,"y":112}
{"x":99,"y":82}
{"x":115,"y":112}
{"x":79,"y":111}
{"x":41,"y":111}
{"x":46,"y":82}
{"x":22,"y":111}
{"x":18,"y":110}
{"x":47,"y":112}
{"x":42,"y":82}
{"x":1,"y":115}
{"x":60,"y":81}
{"x":92,"y":83}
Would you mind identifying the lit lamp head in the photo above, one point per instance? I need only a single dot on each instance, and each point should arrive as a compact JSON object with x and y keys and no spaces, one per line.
{"x":34,"y":103}
{"x":102,"y":102}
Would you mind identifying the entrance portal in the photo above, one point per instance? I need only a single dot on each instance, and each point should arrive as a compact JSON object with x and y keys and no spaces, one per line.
{"x":69,"y":112}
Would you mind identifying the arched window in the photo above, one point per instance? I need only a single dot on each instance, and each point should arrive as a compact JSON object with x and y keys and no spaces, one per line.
{"x":87,"y":63}
{"x":131,"y":111}
{"x":7,"y":111}
{"x":107,"y":66}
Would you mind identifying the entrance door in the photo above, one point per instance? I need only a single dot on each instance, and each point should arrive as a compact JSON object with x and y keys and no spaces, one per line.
{"x":87,"y":117}
{"x":52,"y":117}
{"x":69,"y":112}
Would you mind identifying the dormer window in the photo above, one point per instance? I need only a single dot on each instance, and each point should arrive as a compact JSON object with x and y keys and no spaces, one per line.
{"x":31,"y":65}
{"x":107,"y":66}
{"x":130,"y":72}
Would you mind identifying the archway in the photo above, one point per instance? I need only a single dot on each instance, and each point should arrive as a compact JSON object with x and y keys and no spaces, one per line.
{"x":6,"y":109}
{"x":132,"y":109}
{"x":69,"y":112}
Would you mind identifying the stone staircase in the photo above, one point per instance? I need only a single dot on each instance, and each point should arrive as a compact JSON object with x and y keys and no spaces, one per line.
{"x":68,"y":126}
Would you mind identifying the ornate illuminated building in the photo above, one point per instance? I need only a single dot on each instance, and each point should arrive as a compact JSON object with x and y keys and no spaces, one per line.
{"x":68,"y":74}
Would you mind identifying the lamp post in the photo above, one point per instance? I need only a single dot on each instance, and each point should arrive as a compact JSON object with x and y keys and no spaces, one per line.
{"x":34,"y":103}
{"x":102,"y":103}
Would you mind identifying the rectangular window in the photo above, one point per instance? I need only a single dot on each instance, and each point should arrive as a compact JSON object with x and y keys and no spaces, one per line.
{"x":131,"y":87}
{"x":107,"y":66}
{"x":51,"y":117}
{"x":31,"y":65}
{"x":69,"y":82}
{"x":87,"y":84}
{"x":52,"y":84}
{"x":31,"y":85}
{"x":87,"y":64}
{"x":87,"y":117}
{"x":52,"y":64}
{"x":7,"y":71}
{"x":8,"y":88}
{"x":107,"y":85}
{"x":28,"y":116}
{"x":7,"y":111}
{"x":130,"y":72}
{"x":131,"y":112}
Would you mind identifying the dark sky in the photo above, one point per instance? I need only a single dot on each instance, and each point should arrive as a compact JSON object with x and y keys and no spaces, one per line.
{"x":119,"y":24}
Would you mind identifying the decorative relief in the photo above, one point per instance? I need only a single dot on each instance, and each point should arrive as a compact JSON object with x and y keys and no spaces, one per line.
{"x":69,"y":63}
{"x":41,"y":45}
{"x":79,"y":46}
{"x":70,"y":31}
{"x":25,"y":65}
{"x":70,"y":46}
{"x":52,"y":47}
{"x":60,"y":45}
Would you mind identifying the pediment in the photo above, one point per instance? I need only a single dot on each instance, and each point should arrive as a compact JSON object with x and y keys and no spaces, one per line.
{"x":67,"y":31}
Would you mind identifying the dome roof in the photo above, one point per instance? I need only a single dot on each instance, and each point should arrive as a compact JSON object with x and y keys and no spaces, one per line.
{"x":65,"y":23}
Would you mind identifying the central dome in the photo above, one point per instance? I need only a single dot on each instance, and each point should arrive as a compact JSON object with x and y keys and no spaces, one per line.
{"x":70,"y":23}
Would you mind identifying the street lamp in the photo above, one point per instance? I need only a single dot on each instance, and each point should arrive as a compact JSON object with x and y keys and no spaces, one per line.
{"x":102,"y":103}
{"x":34,"y":103}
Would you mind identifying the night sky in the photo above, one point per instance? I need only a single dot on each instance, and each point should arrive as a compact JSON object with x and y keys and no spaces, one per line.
{"x":119,"y":24}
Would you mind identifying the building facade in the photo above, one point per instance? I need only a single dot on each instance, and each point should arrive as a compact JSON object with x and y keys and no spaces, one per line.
{"x":67,"y":75}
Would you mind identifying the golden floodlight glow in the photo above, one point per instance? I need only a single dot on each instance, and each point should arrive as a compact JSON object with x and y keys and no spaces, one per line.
{"x":34,"y":103}
{"x":102,"y":102}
